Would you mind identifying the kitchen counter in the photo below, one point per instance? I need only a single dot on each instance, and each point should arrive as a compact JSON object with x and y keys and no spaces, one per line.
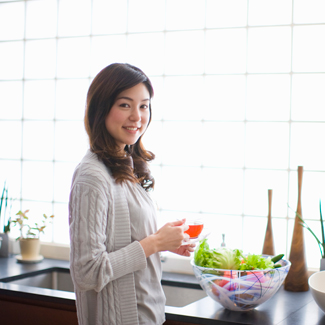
{"x":285,"y":308}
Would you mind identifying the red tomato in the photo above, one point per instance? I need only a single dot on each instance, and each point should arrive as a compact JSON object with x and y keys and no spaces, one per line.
{"x":223,"y":282}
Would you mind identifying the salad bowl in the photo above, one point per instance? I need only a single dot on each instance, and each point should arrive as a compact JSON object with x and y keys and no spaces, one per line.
{"x":241,"y":290}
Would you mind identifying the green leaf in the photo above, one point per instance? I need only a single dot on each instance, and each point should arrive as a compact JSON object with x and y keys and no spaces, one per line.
{"x":306,"y":226}
{"x":256,"y":262}
{"x":303,"y":223}
{"x":2,"y":196}
{"x":321,"y":221}
{"x":6,"y":228}
{"x":318,"y":241}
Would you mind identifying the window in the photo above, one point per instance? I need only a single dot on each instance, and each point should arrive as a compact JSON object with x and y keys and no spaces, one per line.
{"x":239,"y":104}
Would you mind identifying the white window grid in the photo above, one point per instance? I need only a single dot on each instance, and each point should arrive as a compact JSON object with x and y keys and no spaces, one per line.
{"x":207,"y":118}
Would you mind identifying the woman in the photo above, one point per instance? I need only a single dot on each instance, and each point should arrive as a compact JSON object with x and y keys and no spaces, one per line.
{"x":115,"y":244}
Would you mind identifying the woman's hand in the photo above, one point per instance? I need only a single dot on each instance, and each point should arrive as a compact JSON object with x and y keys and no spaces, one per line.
{"x":185,"y":250}
{"x":167,"y":238}
{"x":171,"y":235}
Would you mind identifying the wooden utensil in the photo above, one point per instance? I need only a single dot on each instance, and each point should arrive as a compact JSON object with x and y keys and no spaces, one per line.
{"x":268,"y":247}
{"x":297,"y":278}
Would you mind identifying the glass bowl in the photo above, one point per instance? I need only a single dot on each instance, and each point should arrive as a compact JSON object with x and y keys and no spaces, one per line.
{"x":241,"y":290}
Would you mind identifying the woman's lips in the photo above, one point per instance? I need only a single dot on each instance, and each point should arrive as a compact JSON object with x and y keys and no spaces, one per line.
{"x":130,"y":129}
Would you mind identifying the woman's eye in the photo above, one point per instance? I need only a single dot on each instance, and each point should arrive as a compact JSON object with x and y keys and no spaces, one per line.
{"x":124,"y":105}
{"x":144,"y":106}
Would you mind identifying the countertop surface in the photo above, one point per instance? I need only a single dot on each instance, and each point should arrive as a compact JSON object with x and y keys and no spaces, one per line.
{"x":284,"y":308}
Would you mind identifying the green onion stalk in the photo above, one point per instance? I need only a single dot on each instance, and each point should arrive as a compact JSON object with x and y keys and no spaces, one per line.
{"x":4,"y":202}
{"x":321,"y":243}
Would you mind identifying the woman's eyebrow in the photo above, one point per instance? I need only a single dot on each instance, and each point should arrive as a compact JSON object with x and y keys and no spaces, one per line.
{"x":129,"y":98}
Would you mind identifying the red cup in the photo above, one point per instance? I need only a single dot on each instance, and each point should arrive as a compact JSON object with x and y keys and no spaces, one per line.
{"x":195,"y":228}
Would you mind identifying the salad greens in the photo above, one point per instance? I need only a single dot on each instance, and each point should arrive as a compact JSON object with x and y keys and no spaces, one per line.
{"x":256,"y":262}
{"x":229,"y":259}
{"x":221,"y":258}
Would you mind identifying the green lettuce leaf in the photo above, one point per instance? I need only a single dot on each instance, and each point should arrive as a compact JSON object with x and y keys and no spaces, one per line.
{"x":219,"y":258}
{"x":229,"y":259}
{"x":256,"y":262}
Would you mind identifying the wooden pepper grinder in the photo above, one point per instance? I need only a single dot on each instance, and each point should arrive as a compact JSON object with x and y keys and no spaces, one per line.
{"x":297,"y":278}
{"x":268,"y":247}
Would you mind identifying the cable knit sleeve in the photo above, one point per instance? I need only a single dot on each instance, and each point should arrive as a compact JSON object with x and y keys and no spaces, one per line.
{"x":91,"y":225}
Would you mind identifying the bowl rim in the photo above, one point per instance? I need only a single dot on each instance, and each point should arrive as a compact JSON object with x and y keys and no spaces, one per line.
{"x":309,"y":281}
{"x":288,"y":263}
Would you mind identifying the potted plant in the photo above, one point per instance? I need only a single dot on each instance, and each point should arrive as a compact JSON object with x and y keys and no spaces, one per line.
{"x":29,"y":239}
{"x":5,"y":207}
{"x":321,"y":243}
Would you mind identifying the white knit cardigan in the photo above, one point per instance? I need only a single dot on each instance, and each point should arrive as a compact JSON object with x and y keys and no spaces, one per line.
{"x":102,"y":257}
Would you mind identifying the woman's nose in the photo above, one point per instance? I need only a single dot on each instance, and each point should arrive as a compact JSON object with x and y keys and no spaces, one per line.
{"x":135,"y":115}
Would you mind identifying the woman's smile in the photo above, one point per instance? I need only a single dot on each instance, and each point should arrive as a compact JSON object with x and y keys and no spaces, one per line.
{"x":130,"y":129}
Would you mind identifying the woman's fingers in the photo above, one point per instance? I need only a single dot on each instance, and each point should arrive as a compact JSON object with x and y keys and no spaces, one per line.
{"x":185,"y":250}
{"x":190,"y":247}
{"x":186,"y":237}
{"x":185,"y":226}
{"x":177,"y":222}
{"x":172,"y":235}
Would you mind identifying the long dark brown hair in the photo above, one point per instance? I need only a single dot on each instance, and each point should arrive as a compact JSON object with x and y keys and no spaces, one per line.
{"x":102,"y":93}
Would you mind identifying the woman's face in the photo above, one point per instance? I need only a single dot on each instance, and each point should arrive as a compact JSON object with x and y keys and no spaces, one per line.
{"x":129,"y":116}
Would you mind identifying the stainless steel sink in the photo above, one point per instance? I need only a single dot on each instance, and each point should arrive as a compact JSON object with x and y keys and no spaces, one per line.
{"x":61,"y":280}
{"x":56,"y":280}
